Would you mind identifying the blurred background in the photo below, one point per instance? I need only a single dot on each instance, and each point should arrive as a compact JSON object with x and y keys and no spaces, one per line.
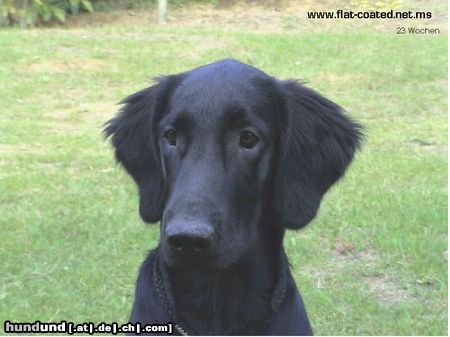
{"x":374,"y":261}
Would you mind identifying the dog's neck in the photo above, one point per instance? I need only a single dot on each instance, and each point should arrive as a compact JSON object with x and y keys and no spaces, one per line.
{"x":236,"y":300}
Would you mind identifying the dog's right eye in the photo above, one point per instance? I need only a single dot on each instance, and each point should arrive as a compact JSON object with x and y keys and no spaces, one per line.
{"x":171,"y":136}
{"x":248,"y":140}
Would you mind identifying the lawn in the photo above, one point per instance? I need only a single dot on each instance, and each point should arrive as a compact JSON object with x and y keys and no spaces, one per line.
{"x":373,"y":262}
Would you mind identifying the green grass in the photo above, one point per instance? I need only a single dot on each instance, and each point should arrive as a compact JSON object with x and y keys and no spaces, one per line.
{"x":72,"y":241}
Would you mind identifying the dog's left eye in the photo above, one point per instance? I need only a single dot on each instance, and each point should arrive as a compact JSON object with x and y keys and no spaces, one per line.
{"x":171,"y":136}
{"x":248,"y":140}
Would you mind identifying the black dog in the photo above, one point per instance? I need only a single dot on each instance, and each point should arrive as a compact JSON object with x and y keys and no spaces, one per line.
{"x":227,"y":157}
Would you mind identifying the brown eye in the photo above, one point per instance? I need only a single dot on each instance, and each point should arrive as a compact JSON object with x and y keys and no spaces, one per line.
{"x":248,"y":140}
{"x":171,"y":136}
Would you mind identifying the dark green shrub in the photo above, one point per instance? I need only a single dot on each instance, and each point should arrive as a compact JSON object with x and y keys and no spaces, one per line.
{"x":32,"y":12}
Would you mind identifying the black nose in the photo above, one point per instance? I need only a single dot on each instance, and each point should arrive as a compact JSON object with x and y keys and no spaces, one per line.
{"x":189,"y":243}
{"x":189,"y":237}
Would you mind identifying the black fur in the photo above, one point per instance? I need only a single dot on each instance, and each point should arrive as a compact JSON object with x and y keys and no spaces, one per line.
{"x":135,"y":149}
{"x":325,"y":139}
{"x":237,"y":199}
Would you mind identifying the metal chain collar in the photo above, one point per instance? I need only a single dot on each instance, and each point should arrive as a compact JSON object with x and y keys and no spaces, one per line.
{"x":161,"y":291}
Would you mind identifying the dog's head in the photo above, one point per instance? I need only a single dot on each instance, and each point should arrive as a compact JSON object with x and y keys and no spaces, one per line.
{"x":213,"y":149}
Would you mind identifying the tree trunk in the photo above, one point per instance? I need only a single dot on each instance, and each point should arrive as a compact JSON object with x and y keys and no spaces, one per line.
{"x":162,"y":9}
{"x":23,"y":19}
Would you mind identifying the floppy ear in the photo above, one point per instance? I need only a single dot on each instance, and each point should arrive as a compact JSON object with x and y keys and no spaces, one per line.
{"x":317,"y":144}
{"x":133,"y":134}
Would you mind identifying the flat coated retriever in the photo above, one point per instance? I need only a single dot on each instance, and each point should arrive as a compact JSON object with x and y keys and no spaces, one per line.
{"x":227,"y":157}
